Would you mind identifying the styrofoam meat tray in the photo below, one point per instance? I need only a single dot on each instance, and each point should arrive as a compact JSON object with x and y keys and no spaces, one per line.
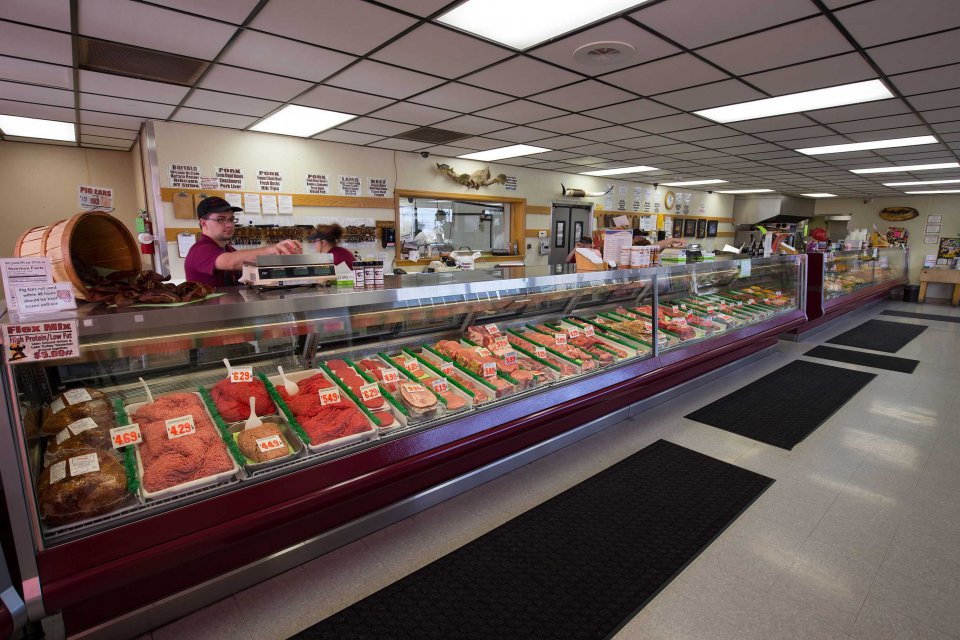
{"x":294,"y":445}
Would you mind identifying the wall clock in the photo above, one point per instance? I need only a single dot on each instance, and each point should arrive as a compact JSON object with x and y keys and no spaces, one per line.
{"x":669,"y":199}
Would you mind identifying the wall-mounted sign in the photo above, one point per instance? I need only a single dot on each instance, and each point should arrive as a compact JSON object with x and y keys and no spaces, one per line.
{"x":184,"y":176}
{"x":350,"y":185}
{"x":89,"y":196}
{"x":378,"y":187}
{"x":317,"y":183}
{"x":269,"y":180}
{"x":229,"y":178}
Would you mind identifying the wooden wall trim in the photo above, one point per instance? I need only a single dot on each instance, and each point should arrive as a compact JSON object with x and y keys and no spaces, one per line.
{"x":538,"y":208}
{"x":299,"y":199}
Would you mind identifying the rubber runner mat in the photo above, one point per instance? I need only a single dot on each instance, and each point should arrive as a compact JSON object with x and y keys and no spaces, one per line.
{"x":879,"y":335}
{"x":875,"y":360}
{"x":921,"y":316}
{"x":577,"y":566}
{"x":784,"y":407}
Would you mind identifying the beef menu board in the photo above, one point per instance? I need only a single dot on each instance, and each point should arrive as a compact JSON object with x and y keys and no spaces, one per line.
{"x":378,"y":187}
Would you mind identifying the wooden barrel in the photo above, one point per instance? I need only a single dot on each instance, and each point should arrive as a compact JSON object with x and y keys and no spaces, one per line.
{"x":90,"y":239}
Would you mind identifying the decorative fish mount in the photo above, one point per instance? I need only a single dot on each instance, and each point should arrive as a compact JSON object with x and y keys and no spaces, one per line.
{"x":899,"y":214}
{"x":475,"y":180}
{"x":580,"y":193}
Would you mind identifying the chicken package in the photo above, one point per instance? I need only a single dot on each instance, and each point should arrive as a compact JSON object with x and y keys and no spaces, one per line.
{"x":232,"y":399}
{"x":79,"y":484}
{"x":85,"y":433}
{"x":249,"y":441}
{"x":323,"y":423}
{"x":168,"y":462}
{"x":73,"y":405}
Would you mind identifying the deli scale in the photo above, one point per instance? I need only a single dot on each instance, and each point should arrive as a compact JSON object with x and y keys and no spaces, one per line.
{"x":299,"y":270}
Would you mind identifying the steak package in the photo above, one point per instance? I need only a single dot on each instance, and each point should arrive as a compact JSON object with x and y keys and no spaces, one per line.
{"x":80,"y":484}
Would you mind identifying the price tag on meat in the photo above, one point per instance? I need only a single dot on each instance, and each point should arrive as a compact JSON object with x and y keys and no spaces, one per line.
{"x":124,"y":436}
{"x":440,"y":385}
{"x":446,"y":368}
{"x":411,"y":365}
{"x":492,"y":329}
{"x":573,"y":334}
{"x":413,"y":388}
{"x":483,"y":352}
{"x":778,"y":294}
{"x":270,"y":443}
{"x":390,"y":375}
{"x":676,"y":309}
{"x":739,"y":303}
{"x":751,"y":301}
{"x":540,"y":352}
{"x":87,"y":463}
{"x":766,"y":301}
{"x":510,"y":358}
{"x":370,"y":391}
{"x":711,"y":310}
{"x":330,"y":395}
{"x":489,"y":369}
{"x":560,"y":339}
{"x":589,"y":331}
{"x":241,"y":374}
{"x":683,"y":306}
{"x":179,"y":427}
{"x":680,"y":322}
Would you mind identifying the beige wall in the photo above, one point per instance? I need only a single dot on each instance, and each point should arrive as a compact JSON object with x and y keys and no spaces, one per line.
{"x":39,"y":185}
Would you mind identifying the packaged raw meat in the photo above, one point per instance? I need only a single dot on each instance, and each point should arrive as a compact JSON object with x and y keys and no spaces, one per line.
{"x":79,"y":484}
{"x":560,"y":365}
{"x":232,"y":399}
{"x":545,"y":337}
{"x":346,"y":374}
{"x":85,"y":433}
{"x":73,"y":405}
{"x":324,"y":423}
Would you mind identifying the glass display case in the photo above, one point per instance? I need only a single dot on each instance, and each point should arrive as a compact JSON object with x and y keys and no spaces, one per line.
{"x":139,"y":452}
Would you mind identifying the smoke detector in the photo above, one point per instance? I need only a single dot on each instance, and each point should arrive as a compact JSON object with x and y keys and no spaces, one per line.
{"x":604,"y":53}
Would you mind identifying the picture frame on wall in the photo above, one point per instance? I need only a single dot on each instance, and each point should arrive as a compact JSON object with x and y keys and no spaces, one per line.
{"x":702,"y":228}
{"x":677,"y":227}
{"x":712,"y":228}
{"x":690,"y":228}
{"x":932,"y":228}
{"x":934,"y":219}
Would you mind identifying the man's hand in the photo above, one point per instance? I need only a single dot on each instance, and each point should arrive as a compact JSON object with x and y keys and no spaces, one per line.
{"x":286,"y":247}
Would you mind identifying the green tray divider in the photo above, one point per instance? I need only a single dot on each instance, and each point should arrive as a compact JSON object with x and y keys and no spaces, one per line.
{"x":232,"y":446}
{"x":280,"y":404}
{"x":532,"y":356}
{"x":432,"y":368}
{"x":357,"y":401}
{"x":463,"y":370}
{"x":129,"y":456}
{"x":383,"y":390}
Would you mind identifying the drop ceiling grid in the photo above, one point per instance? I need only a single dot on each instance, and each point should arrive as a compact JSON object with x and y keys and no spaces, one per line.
{"x":671,"y":135}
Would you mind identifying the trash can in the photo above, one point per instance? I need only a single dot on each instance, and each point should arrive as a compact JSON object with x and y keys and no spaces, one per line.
{"x":911,"y":293}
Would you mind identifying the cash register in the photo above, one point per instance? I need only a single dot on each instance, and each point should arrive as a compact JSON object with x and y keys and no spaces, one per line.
{"x":301,"y":270}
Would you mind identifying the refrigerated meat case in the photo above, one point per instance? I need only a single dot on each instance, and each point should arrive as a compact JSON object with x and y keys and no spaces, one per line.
{"x":432,"y":330}
{"x":844,"y":281}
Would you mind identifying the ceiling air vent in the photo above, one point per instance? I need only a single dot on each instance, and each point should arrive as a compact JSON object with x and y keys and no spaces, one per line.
{"x":432,"y":135}
{"x":604,"y":53}
{"x":136,"y":62}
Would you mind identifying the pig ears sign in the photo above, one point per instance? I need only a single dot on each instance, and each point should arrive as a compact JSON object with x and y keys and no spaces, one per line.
{"x":91,"y":197}
{"x":39,"y":341}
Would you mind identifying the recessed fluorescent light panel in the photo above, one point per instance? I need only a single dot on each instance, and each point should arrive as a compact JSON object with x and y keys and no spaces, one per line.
{"x":528,"y":22}
{"x":739,"y":191}
{"x":304,"y":122}
{"x":911,"y":167}
{"x":918,"y":193}
{"x":617,"y":172}
{"x":35,"y":128}
{"x":917,"y":183}
{"x":866,"y":146}
{"x":691,"y":183}
{"x":818,"y":195}
{"x":500,"y":153}
{"x":795,"y":102}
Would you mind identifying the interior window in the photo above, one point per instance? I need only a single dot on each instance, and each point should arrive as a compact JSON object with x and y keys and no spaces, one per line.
{"x":433,"y":226}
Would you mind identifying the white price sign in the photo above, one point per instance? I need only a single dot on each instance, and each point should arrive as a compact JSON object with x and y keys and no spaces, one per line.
{"x":446,"y":368}
{"x":413,"y":388}
{"x":127,"y":435}
{"x":440,"y":385}
{"x":573,"y":334}
{"x":540,"y":352}
{"x":241,"y":374}
{"x":501,"y":343}
{"x":589,"y":331}
{"x":270,"y":443}
{"x":411,"y":365}
{"x":560,"y":338}
{"x":370,"y":391}
{"x":483,"y":352}
{"x":179,"y":427}
{"x":391,"y":375}
{"x":330,"y":395}
{"x":676,"y":309}
{"x":492,"y":328}
{"x":489,"y":370}
{"x":510,"y":358}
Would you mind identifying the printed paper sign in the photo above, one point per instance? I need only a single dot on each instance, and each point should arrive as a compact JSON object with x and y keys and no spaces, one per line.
{"x":270,"y":443}
{"x":40,"y":341}
{"x":573,"y":334}
{"x":492,"y":329}
{"x":251,"y":202}
{"x":87,"y":463}
{"x":446,"y":368}
{"x":501,"y":343}
{"x":510,"y":358}
{"x":125,"y":436}
{"x":44,"y":298}
{"x":317,"y":183}
{"x":241,"y":374}
{"x":269,"y":205}
{"x":413,"y":388}
{"x":489,"y":370}
{"x":440,"y":385}
{"x":229,"y":178}
{"x":58,"y":471}
{"x":483,"y":352}
{"x":285,"y":204}
{"x":390,"y":375}
{"x":330,"y":395}
{"x":184,"y":176}
{"x":209,"y":183}
{"x":89,"y":196}
{"x":235,"y":199}
{"x":378,"y":187}
{"x":269,"y":180}
{"x":370,"y":391}
{"x":23,"y":271}
{"x":560,"y":338}
{"x":179,"y":427}
{"x":350,"y":185}
{"x":540,"y":352}
{"x":511,"y":183}
{"x":76,"y":396}
{"x":83,"y":424}
{"x":589,"y":331}
{"x":411,"y":365}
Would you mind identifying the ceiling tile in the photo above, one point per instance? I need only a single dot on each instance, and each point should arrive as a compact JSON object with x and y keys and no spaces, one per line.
{"x":37,"y":44}
{"x":630,"y":154}
{"x":609,"y":134}
{"x":557,"y":155}
{"x":103,"y":141}
{"x":95,"y":146}
{"x":520,"y":134}
{"x":460,"y":97}
{"x":449,"y":151}
{"x":701,"y":133}
{"x":560,"y":142}
{"x":597,"y":148}
{"x":938,"y":100}
{"x":642,"y":142}
{"x":842,"y":69}
{"x":36,"y":72}
{"x":34,"y":93}
{"x":665,"y":75}
{"x":422,"y":8}
{"x":920,"y":53}
{"x":52,"y":14}
{"x":347,"y":137}
{"x":570,"y":124}
{"x":860,"y":111}
{"x":479,"y":143}
{"x":670,"y":123}
{"x":883,"y":21}
{"x":942,"y":115}
{"x":335,"y":99}
{"x":110,"y":120}
{"x":677,"y":19}
{"x":947,"y":127}
{"x":586,"y":160}
{"x":631,"y":111}
{"x":414,"y":113}
{"x":375,"y":126}
{"x":794,"y":134}
{"x":701,"y":154}
{"x":751,"y":149}
{"x":646,"y":45}
{"x":262,"y":52}
{"x":31,"y":110}
{"x":711,"y":95}
{"x":347,"y":25}
{"x":252,"y":83}
{"x":411,"y":51}
{"x":521,"y":76}
{"x":122,"y":87}
{"x":110,"y":104}
{"x":215,"y":101}
{"x":930,"y":80}
{"x":875,"y":124}
{"x":676,"y":147}
{"x":381,"y":79}
{"x":520,"y":112}
{"x":235,"y":11}
{"x":519,"y":162}
{"x":729,"y":141}
{"x":588,"y":94}
{"x":213,"y":118}
{"x":473,"y":125}
{"x":109,"y":132}
{"x":398,"y":144}
{"x":552,"y":166}
{"x":154,"y":28}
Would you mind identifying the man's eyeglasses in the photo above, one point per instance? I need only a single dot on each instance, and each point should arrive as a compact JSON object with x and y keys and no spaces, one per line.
{"x":224,"y":219}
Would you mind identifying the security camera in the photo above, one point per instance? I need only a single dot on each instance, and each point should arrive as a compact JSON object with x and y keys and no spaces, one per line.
{"x":424,"y":154}
{"x":656,"y":184}
{"x":710,"y":192}
{"x":867,"y":200}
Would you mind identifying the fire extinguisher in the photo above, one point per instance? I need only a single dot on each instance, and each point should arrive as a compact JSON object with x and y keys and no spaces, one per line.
{"x":145,"y":231}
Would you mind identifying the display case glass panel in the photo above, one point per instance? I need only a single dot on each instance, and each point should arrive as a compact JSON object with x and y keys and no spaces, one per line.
{"x":846,"y":272}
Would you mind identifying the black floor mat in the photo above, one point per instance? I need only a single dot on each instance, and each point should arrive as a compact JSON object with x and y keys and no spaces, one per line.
{"x":784,"y":407}
{"x":879,"y":335}
{"x":921,"y":316}
{"x":576,"y":566}
{"x":875,"y":360}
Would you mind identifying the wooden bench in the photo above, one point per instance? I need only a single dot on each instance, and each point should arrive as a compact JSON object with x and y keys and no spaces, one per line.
{"x":945,"y":276}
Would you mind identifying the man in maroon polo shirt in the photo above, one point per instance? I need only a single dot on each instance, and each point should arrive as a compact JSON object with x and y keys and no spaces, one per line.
{"x":213,"y":260}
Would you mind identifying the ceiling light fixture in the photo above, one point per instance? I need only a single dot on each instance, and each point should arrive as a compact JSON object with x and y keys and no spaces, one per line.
{"x":919,"y":193}
{"x":866,"y":146}
{"x":20,"y":127}
{"x":911,"y":167}
{"x":917,"y":183}
{"x":691,"y":183}
{"x":818,"y":195}
{"x":500,"y":153}
{"x":617,"y":172}
{"x":294,"y":120}
{"x":796,"y":102}
{"x":739,"y":191}
{"x":523,"y":24}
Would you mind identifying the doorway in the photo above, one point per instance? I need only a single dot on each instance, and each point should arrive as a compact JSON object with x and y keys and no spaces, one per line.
{"x":568,"y":223}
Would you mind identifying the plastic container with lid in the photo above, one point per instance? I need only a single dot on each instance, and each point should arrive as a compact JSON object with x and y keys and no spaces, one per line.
{"x":368,"y":274}
{"x":359,"y":274}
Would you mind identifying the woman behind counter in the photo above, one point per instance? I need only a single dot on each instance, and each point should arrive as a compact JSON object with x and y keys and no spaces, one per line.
{"x":325,"y":240}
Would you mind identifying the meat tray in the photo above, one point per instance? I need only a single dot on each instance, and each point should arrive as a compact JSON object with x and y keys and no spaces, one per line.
{"x":294,"y":445}
{"x":390,"y":403}
{"x":417,"y":377}
{"x":429,"y":355}
{"x":478,"y":392}
{"x":632,"y":350}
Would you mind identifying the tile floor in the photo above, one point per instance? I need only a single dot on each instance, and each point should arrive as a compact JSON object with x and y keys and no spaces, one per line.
{"x":858,"y":538}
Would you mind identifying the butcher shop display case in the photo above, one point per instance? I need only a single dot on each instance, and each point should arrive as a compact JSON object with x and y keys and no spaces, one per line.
{"x":187,"y":443}
{"x":843,"y":281}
